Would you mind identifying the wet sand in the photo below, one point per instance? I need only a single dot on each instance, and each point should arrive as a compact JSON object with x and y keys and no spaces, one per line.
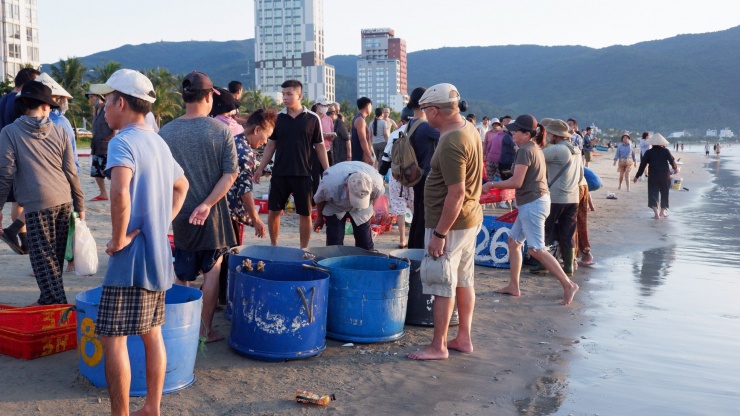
{"x":520,"y":366}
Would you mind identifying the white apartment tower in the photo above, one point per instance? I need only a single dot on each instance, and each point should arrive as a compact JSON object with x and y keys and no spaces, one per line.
{"x":19,"y":36}
{"x":289,"y":44}
{"x":381,"y":69}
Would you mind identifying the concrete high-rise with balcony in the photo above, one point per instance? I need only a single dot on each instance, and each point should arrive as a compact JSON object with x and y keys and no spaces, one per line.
{"x":19,"y":36}
{"x":381,"y":68}
{"x":289,"y":44}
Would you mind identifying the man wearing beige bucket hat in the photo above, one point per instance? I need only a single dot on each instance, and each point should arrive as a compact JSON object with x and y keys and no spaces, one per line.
{"x":660,"y":160}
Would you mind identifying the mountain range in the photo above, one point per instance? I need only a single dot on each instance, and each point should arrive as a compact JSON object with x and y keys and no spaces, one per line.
{"x":687,"y":82}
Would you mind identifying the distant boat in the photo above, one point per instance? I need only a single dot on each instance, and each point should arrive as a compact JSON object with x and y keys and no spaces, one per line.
{"x":601,"y":148}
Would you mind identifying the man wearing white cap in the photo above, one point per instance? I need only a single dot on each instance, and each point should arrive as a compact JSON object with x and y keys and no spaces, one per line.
{"x":452,"y":217}
{"x":147,"y":190}
{"x":347,"y":191}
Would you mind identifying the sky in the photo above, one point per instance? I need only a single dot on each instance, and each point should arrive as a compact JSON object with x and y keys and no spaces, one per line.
{"x":83,"y":27}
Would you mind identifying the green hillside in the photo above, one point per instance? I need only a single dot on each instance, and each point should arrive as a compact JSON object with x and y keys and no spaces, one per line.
{"x":684,"y":82}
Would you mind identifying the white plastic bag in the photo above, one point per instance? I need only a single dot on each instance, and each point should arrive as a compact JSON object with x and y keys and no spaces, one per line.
{"x":86,"y":251}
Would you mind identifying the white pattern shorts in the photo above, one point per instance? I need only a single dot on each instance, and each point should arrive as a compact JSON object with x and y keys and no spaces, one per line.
{"x":129,"y":311}
{"x":401,"y":197}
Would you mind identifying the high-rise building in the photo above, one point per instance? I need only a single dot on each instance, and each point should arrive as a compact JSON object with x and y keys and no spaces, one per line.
{"x":19,"y":36}
{"x":289,"y":44}
{"x":381,"y":68}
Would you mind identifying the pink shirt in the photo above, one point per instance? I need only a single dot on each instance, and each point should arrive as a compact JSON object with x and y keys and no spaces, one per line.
{"x":327,"y":126}
{"x":493,"y":150}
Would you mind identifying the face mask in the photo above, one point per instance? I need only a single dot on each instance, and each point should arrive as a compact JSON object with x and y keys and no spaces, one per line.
{"x":322,"y":109}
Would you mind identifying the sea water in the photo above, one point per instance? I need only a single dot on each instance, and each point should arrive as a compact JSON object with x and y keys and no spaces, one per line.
{"x":664,"y":336}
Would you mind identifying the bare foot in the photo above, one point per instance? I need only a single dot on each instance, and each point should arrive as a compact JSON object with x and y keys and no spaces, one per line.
{"x":428,"y":353}
{"x":656,"y":217}
{"x":144,"y":411}
{"x":459,"y":345}
{"x":508,"y":290}
{"x":569,"y":293}
{"x":214,"y":336}
{"x":664,"y":214}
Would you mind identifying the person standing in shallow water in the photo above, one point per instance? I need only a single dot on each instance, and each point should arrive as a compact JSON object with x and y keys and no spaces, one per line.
{"x":533,"y":201}
{"x":659,"y":159}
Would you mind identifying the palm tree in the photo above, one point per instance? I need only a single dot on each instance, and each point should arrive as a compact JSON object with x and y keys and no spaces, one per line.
{"x":104,"y":71}
{"x":168,"y":104}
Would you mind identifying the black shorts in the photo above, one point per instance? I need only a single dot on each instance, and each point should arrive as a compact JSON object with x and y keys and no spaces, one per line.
{"x":127,"y":311}
{"x":282,"y":186}
{"x":189,"y":264}
{"x":97,"y":166}
{"x":11,"y":194}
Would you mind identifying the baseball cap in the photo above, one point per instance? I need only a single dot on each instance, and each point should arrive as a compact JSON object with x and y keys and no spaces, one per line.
{"x":523,"y":122}
{"x":407,"y":114}
{"x":132,"y":83}
{"x":495,"y":121}
{"x":556,"y":127}
{"x":322,"y":100}
{"x":97,"y":89}
{"x":195,"y":81}
{"x":440,"y":94}
{"x":359,"y":185}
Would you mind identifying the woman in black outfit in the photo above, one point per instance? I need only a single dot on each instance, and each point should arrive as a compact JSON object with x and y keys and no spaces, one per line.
{"x":660,"y":160}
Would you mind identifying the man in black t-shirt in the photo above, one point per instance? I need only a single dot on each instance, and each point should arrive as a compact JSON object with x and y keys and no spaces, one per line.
{"x":296,"y":131}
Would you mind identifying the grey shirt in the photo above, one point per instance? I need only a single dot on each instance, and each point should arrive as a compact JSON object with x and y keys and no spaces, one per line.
{"x":565,"y":189}
{"x":37,"y":155}
{"x":204,"y":148}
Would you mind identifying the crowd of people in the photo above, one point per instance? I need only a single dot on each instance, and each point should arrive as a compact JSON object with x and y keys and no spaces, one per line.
{"x":197,"y":175}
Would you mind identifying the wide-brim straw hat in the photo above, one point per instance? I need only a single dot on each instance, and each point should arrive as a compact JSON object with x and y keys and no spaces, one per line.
{"x":56,"y":89}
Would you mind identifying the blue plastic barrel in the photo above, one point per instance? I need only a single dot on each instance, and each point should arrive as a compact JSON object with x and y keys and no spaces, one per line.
{"x":279,"y":313}
{"x":266,"y":254}
{"x":367,"y":298}
{"x":491,"y":245}
{"x":420,"y":309}
{"x":180,"y":332}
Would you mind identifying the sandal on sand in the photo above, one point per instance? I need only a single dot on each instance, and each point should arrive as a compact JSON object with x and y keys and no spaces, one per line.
{"x":99,"y":198}
{"x":403,"y":246}
{"x":586,"y":263}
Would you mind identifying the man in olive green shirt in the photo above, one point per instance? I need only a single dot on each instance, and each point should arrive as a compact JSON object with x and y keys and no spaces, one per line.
{"x":453,"y":217}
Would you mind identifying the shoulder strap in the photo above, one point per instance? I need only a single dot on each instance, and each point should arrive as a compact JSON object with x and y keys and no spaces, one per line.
{"x":549,"y":184}
{"x":411,"y":131}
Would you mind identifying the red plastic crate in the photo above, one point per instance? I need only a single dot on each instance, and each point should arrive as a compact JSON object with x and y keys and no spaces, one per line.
{"x":172,"y":243}
{"x":508,"y":194}
{"x":31,"y":345}
{"x":510,"y":217}
{"x":35,"y":318}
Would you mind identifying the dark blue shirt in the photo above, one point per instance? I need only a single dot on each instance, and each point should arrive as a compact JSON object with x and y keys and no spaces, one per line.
{"x":508,"y":154}
{"x":424,"y":140}
{"x":7,"y":109}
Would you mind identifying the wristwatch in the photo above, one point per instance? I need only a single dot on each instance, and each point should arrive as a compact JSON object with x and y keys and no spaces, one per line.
{"x":438,"y":235}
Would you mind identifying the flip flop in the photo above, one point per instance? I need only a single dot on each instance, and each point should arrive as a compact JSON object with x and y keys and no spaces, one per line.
{"x":586,"y":263}
{"x":98,"y":198}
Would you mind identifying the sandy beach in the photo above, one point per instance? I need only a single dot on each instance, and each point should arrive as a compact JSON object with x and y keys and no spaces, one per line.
{"x":520,"y":364}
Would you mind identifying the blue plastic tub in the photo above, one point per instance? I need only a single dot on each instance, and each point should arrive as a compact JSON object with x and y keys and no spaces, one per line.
{"x":368,"y":297}
{"x":280,"y":313}
{"x":266,"y":254}
{"x":180,"y":332}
